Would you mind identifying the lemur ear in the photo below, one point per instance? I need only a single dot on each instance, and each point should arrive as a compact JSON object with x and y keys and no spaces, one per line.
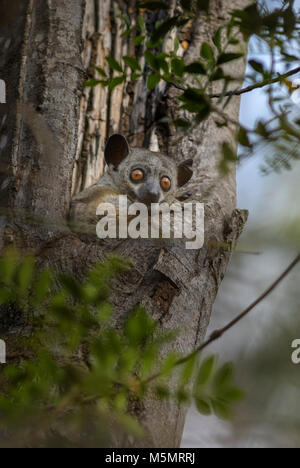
{"x":116,"y":150}
{"x":185,"y":172}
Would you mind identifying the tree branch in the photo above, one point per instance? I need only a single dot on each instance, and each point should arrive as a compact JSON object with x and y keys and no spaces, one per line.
{"x":218,"y":333}
{"x":248,"y":89}
{"x":261,"y":84}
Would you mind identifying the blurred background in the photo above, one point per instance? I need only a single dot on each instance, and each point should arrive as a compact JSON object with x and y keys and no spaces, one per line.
{"x":260,"y":346}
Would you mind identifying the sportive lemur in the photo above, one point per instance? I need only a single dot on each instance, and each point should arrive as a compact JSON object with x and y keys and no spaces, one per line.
{"x":142,"y":175}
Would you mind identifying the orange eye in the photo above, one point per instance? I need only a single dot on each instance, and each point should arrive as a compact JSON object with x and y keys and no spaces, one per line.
{"x":165,"y":183}
{"x":137,"y":175}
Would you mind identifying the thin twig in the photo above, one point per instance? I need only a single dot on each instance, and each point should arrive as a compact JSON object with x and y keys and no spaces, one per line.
{"x":261,"y":84}
{"x":248,"y":89}
{"x":177,"y":86}
{"x":218,"y":333}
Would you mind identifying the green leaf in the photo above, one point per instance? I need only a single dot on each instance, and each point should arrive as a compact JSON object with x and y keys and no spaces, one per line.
{"x":91,"y":83}
{"x":262,"y":130}
{"x":104,"y":312}
{"x":205,"y":371}
{"x":151,"y":60}
{"x":257,"y":66}
{"x":195,"y":101}
{"x":141,"y":23}
{"x":154,"y":5}
{"x":162,"y":55}
{"x":42,"y":286}
{"x":152,"y":81}
{"x":135,"y":76}
{"x":126,"y":19}
{"x":8,"y":265}
{"x":167,"y":26}
{"x":203,"y":114}
{"x":249,"y":19}
{"x":188,"y":369}
{"x":138,"y":40}
{"x":228,"y":57}
{"x":128,"y":361}
{"x":163,"y":64}
{"x":114,"y":65}
{"x":148,"y":359}
{"x":132,"y":62}
{"x":182,"y":396}
{"x":116,"y":82}
{"x":182,"y":123}
{"x":154,"y":45}
{"x":162,"y":392}
{"x":25,"y":273}
{"x":131,"y":425}
{"x":203,"y":406}
{"x":228,"y":153}
{"x":176,"y":45}
{"x":121,"y":401}
{"x":139,"y":327}
{"x":71,"y":286}
{"x":113,"y":342}
{"x":289,"y":20}
{"x":207,"y":52}
{"x":223,"y":376}
{"x":101,"y":71}
{"x":290,"y":57}
{"x":169,"y":364}
{"x":196,"y":67}
{"x":233,"y":395}
{"x":218,"y":75}
{"x":90,"y":293}
{"x":128,"y":32}
{"x":217,"y":39}
{"x":243,"y":138}
{"x":6,"y":296}
{"x":117,"y":265}
{"x":221,"y":409}
{"x":177,"y":66}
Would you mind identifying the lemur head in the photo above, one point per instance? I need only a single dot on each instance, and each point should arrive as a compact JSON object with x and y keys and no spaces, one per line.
{"x":145,"y":176}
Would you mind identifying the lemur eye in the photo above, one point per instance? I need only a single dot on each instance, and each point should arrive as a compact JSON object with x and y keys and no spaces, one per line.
{"x":137,"y":175}
{"x":165,"y":183}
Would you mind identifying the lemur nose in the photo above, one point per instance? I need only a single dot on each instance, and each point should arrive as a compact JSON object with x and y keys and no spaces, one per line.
{"x":152,"y":197}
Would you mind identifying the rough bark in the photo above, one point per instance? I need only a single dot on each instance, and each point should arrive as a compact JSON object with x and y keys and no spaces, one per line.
{"x":51,"y":145}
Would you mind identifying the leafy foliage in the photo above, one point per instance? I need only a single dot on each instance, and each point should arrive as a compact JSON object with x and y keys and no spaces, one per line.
{"x":78,"y":378}
{"x":214,"y":389}
{"x":276,"y":31}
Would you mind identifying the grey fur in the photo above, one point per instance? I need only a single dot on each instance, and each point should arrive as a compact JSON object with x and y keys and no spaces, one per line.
{"x":154,"y":165}
{"x":122,"y":160}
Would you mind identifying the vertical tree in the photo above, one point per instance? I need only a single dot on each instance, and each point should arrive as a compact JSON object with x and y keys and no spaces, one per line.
{"x":53,"y":132}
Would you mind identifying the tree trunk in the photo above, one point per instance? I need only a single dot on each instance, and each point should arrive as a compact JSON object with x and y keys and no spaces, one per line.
{"x":53,"y":133}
